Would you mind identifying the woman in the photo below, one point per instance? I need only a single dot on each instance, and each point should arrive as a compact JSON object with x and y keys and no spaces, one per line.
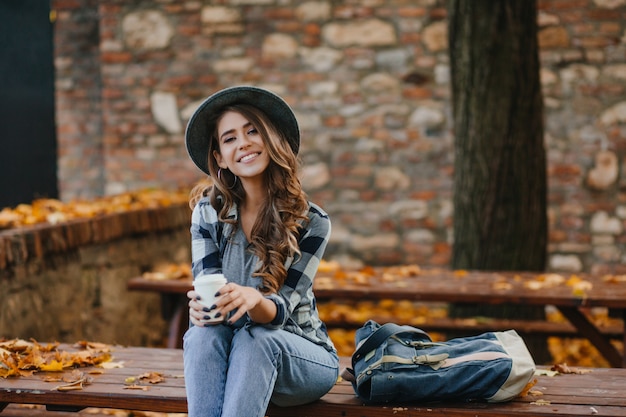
{"x":256,"y":227}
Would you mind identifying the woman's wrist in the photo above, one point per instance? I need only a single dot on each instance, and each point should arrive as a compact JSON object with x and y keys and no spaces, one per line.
{"x":280,"y":311}
{"x":264,"y":312}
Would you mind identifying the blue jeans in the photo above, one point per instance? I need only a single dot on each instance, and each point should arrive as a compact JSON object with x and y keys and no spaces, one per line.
{"x":234,"y":372}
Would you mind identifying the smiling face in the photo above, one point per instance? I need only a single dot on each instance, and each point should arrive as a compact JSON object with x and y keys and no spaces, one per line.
{"x":241,"y":147}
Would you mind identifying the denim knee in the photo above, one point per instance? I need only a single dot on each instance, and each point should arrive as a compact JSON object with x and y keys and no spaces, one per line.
{"x":304,"y":370}
{"x":208,"y":342}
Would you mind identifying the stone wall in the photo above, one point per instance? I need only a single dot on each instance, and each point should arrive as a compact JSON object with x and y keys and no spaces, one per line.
{"x":67,"y":282}
{"x":78,"y":109}
{"x":369,"y":81}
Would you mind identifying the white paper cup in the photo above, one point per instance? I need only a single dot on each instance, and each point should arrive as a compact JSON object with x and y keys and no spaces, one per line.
{"x":207,"y":286}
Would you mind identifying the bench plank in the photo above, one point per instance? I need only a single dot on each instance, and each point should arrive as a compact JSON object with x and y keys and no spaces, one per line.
{"x":473,"y":326}
{"x":599,"y":392}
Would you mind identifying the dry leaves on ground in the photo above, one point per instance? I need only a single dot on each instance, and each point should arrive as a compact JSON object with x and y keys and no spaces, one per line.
{"x":23,"y":358}
{"x":47,"y":210}
{"x":563,"y":368}
{"x":528,"y":388}
{"x":136,"y":382}
{"x":19,"y":357}
{"x":75,"y":381}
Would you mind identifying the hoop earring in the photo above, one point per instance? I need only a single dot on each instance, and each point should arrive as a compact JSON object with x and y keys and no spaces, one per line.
{"x":219,"y":177}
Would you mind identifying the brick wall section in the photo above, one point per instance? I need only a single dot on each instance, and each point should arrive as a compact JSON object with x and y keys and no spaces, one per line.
{"x":370,"y":85}
{"x":584,"y":78}
{"x":78,"y":99}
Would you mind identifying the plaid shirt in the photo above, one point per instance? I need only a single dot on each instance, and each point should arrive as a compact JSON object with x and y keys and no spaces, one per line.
{"x":217,"y":247}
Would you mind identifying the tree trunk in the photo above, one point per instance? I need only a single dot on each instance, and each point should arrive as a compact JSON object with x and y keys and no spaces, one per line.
{"x":500,"y":217}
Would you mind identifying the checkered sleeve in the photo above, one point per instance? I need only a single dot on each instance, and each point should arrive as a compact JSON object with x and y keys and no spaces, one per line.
{"x":297,"y":292}
{"x":205,"y":253}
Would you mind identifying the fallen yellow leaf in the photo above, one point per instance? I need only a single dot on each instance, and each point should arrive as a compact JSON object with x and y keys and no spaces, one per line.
{"x":139,"y":387}
{"x":54,"y":366}
{"x":111,"y":365}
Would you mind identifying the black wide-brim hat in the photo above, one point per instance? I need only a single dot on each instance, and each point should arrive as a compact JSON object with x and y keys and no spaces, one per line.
{"x":199,"y":128}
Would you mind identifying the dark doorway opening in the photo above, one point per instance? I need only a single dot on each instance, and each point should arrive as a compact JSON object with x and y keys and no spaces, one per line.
{"x":28,"y":150}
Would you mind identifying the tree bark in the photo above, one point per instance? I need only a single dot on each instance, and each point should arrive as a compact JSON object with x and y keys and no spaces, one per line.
{"x":500,"y":220}
{"x":500,"y":184}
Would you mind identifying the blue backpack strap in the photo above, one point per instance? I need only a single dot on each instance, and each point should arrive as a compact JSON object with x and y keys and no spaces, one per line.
{"x":381,"y":334}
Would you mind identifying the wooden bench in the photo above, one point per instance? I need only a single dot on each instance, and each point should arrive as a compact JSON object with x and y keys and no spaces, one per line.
{"x":440,"y":285}
{"x":471,"y":326}
{"x":599,"y":392}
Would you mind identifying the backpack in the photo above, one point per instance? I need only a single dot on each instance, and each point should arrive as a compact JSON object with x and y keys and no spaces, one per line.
{"x":401,"y":364}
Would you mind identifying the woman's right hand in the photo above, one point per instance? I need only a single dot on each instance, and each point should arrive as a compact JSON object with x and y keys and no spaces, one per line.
{"x":198,"y":313}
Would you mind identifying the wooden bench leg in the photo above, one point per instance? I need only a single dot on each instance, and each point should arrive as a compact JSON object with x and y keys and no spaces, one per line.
{"x":591,"y":332}
{"x":624,"y":338}
{"x":174,"y":310}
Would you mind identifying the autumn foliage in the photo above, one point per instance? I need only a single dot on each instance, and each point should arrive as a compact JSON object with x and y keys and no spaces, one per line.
{"x":54,"y":211}
{"x":23,"y":358}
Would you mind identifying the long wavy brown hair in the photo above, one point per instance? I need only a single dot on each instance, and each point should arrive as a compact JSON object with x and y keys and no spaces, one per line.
{"x":275,"y":233}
